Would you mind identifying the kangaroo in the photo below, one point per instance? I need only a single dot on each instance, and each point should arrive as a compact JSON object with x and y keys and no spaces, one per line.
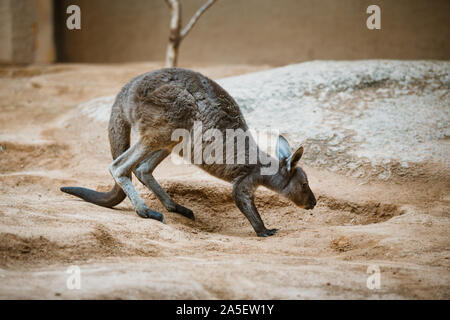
{"x":154,"y":105}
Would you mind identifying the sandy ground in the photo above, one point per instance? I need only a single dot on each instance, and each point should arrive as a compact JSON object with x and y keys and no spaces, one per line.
{"x":399,"y":226}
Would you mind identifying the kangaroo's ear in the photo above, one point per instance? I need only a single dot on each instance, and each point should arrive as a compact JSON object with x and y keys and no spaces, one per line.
{"x":296,"y":157}
{"x":283,"y":148}
{"x":284,"y":153}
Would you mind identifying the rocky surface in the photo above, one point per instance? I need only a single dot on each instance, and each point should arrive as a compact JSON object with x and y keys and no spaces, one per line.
{"x":367,"y":119}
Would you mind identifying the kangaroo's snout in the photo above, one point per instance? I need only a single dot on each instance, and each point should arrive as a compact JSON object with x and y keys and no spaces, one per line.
{"x":311,"y":202}
{"x":310,"y":205}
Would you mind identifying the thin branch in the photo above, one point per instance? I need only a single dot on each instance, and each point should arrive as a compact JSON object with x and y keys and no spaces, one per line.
{"x":195,"y":18}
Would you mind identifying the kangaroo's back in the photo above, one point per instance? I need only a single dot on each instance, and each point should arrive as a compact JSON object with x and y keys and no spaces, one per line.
{"x":181,"y":93}
{"x":159,"y":102}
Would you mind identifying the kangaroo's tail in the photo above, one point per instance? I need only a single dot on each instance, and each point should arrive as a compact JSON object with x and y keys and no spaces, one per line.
{"x":119,"y":139}
{"x":105,"y":199}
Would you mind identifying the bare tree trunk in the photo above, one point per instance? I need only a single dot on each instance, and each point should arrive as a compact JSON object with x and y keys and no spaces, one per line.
{"x":175,"y":30}
{"x":176,"y":34}
{"x":172,"y":55}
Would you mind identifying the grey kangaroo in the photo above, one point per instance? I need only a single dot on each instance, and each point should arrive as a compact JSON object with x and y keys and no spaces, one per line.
{"x":154,"y":105}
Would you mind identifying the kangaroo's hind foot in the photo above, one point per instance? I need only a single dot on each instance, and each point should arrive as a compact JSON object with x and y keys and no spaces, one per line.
{"x":149,"y":213}
{"x":121,"y":169}
{"x":144,"y":174}
{"x":183,"y":211}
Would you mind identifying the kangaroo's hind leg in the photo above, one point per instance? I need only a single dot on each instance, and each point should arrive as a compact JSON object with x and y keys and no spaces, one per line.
{"x":144,"y":173}
{"x":121,"y":171}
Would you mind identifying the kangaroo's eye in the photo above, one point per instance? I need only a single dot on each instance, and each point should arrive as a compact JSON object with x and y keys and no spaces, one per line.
{"x":304,"y":185}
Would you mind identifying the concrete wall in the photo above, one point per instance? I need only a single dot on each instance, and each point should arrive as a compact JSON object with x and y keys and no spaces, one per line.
{"x":45,"y":45}
{"x":5,"y":31}
{"x":257,"y":31}
{"x":273,"y":32}
{"x":26,"y":31}
{"x":17,"y":31}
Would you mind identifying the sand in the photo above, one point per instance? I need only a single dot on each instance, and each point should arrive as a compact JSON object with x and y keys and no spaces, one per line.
{"x":397,"y":225}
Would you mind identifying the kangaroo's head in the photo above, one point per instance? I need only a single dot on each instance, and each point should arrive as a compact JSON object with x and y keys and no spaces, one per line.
{"x":295,"y":184}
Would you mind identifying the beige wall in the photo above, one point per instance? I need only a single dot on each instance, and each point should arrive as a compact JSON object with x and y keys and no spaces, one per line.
{"x":5,"y":31}
{"x":233,"y":31}
{"x":45,"y":46}
{"x":26,"y":31}
{"x":17,"y":31}
{"x":258,"y":31}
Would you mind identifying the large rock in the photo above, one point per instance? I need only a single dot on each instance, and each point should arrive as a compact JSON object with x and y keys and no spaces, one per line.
{"x":367,"y":119}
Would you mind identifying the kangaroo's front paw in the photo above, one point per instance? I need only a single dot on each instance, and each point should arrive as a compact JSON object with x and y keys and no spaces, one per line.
{"x":183,"y":211}
{"x":267,"y":232}
{"x":148,"y":213}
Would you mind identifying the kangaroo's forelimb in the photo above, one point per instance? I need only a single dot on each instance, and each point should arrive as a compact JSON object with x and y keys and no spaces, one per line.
{"x":243,"y":196}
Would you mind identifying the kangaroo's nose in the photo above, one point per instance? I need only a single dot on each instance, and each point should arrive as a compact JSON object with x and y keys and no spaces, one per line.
{"x":311,"y":203}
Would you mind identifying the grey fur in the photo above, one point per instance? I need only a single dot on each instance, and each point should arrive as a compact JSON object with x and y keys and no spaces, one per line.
{"x":156,"y":103}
